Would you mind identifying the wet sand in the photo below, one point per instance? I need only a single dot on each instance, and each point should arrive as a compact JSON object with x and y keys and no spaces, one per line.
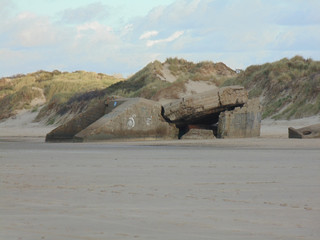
{"x":244,"y":189}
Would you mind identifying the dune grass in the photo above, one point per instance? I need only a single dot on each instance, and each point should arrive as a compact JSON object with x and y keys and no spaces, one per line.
{"x":215,"y":73}
{"x":288,"y":89}
{"x":18,"y":91}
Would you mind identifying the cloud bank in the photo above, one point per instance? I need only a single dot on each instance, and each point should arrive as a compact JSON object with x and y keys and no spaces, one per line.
{"x":237,"y":32}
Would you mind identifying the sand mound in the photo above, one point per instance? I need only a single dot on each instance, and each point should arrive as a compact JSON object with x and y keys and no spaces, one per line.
{"x":23,"y":125}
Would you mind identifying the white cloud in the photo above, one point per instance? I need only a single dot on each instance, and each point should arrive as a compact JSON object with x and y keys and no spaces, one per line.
{"x":173,"y":37}
{"x":237,"y":32}
{"x":217,"y":28}
{"x":149,"y":34}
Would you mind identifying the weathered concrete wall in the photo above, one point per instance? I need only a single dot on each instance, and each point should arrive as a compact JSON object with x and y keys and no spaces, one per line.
{"x":196,"y":106}
{"x":67,"y":131}
{"x":197,"y":133}
{"x":242,"y":122}
{"x":135,"y":119}
{"x":312,"y":131}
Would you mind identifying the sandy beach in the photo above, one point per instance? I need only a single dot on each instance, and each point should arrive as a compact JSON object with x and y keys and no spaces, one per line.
{"x":259,"y":188}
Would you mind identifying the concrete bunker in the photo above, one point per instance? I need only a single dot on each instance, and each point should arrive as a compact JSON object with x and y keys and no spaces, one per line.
{"x":222,"y":113}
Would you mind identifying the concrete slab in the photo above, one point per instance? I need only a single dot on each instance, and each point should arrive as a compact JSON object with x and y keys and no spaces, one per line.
{"x":67,"y":131}
{"x":137,"y":118}
{"x":312,"y":131}
{"x":193,"y":107}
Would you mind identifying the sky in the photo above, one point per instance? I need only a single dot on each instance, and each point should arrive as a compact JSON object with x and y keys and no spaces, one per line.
{"x":122,"y":36}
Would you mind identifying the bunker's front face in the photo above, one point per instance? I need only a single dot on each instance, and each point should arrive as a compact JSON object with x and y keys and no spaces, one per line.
{"x":115,"y":191}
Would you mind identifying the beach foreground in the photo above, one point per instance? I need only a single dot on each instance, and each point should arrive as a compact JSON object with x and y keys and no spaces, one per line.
{"x":218,"y":189}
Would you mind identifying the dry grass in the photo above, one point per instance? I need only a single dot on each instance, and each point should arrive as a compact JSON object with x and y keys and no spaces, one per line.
{"x":289,"y":88}
{"x":18,"y":91}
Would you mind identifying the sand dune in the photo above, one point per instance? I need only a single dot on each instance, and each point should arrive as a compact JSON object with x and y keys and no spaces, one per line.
{"x":23,"y":125}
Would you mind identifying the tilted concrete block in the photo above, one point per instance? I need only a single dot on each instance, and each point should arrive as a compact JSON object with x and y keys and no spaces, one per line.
{"x":312,"y":131}
{"x":191,"y":108}
{"x":232,"y":96}
{"x":67,"y":131}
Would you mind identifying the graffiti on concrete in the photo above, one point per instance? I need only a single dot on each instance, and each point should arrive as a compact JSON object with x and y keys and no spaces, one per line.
{"x":131,"y":123}
{"x":149,"y":121}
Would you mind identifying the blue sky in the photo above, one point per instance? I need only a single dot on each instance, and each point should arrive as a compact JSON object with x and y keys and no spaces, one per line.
{"x":123,"y":36}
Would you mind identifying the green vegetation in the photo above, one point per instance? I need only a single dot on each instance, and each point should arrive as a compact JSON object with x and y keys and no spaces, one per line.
{"x":17,"y":100}
{"x":216,"y":73}
{"x":147,"y":83}
{"x":288,"y":89}
{"x":17,"y":92}
{"x":51,"y":121}
{"x":144,"y":83}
